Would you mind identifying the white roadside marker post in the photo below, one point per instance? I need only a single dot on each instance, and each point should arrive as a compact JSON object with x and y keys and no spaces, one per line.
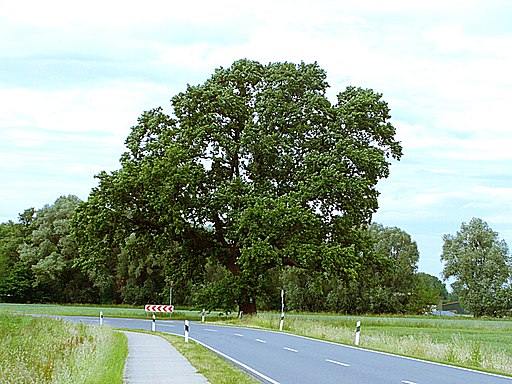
{"x":358,"y":331}
{"x":202,"y":317}
{"x":186,"y":331}
{"x":101,"y":317}
{"x":281,"y":323}
{"x":153,"y":323}
{"x":170,"y":298}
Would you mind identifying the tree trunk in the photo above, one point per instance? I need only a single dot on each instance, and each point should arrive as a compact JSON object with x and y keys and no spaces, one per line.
{"x":248,"y":306}
{"x":247,"y":303}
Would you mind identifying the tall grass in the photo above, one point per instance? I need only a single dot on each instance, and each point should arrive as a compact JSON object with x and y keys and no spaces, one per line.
{"x":477,"y":344}
{"x":44,"y":350}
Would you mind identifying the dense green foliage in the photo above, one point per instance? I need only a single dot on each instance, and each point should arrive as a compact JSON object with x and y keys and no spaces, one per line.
{"x":390,"y":286}
{"x":38,"y":255}
{"x":15,"y":276}
{"x":482,"y":267}
{"x":255,"y":170}
{"x":388,"y":283}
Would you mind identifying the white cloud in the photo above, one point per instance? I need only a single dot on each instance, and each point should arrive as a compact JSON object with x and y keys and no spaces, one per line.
{"x":113,"y":107}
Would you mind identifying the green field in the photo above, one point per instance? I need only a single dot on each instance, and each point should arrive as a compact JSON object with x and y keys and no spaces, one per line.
{"x":108,"y":311}
{"x":484,"y":344}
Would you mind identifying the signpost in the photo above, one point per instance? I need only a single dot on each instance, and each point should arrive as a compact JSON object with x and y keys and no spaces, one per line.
{"x":159,"y":308}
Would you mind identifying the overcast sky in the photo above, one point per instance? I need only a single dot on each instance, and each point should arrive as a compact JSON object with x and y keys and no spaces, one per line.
{"x":74,"y":77}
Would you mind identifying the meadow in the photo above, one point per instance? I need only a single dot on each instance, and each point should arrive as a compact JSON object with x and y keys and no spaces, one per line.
{"x":108,"y":311}
{"x":45,"y":350}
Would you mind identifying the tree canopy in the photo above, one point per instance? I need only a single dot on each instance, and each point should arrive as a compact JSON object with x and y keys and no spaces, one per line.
{"x":482,"y":267}
{"x":38,"y":254}
{"x":387,"y":282}
{"x":15,"y":276}
{"x":255,"y":169}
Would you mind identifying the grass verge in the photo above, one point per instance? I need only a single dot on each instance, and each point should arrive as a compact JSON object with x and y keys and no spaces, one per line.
{"x":44,"y":350}
{"x":215,"y":368}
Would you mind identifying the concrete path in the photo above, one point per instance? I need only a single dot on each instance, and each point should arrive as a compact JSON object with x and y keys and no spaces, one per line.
{"x":151,"y":359}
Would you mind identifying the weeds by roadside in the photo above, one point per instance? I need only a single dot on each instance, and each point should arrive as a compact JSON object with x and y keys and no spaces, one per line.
{"x":44,"y":350}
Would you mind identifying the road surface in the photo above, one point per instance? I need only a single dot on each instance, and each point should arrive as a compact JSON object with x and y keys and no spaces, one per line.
{"x":280,"y":358}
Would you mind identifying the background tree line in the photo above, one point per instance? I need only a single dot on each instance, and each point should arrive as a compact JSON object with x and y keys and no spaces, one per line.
{"x":256,"y":182}
{"x":40,"y":262}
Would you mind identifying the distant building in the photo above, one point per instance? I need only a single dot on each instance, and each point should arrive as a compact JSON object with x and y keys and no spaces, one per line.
{"x":454,"y":307}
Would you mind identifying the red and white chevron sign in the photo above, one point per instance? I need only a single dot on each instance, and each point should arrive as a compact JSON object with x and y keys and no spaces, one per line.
{"x":159,"y":308}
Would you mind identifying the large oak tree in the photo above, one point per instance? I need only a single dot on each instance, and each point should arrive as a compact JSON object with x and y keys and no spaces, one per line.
{"x":255,"y":169}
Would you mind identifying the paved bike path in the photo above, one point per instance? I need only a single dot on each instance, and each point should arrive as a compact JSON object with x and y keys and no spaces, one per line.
{"x":152,"y":359}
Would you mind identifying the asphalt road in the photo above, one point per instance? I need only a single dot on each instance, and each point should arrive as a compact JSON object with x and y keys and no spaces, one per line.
{"x":281,"y":358}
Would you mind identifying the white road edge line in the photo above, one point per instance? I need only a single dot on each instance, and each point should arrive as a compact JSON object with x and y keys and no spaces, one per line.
{"x":291,"y":349}
{"x":239,"y":335}
{"x":259,"y":374}
{"x":337,"y":362}
{"x":260,"y":341}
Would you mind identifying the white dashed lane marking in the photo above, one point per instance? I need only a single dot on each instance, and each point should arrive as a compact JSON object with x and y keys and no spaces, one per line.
{"x":337,"y":363}
{"x":291,"y":349}
{"x":210,"y":330}
{"x":239,"y":335}
{"x":260,"y":341}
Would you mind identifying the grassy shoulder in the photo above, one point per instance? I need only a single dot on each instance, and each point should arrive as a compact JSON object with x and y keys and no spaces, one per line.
{"x":215,"y":368}
{"x":44,"y":350}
